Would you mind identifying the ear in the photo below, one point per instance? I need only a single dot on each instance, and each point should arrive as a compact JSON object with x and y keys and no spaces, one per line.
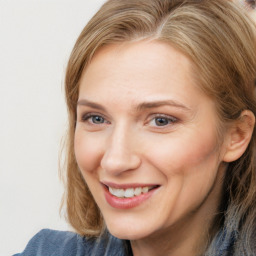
{"x":238,"y":136}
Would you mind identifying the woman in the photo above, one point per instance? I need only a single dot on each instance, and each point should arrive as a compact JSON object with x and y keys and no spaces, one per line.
{"x":160,"y":149}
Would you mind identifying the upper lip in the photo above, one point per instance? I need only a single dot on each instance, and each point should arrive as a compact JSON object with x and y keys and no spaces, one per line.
{"x":128,"y":185}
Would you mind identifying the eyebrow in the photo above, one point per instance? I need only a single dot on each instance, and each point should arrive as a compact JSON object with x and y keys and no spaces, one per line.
{"x":88,"y":103}
{"x":139,"y":107}
{"x":155,"y":104}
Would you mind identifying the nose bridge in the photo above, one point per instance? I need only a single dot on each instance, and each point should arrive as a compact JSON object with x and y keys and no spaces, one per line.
{"x":120,"y":154}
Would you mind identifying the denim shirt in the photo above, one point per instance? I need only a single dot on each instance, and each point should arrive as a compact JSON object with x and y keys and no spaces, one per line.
{"x":62,"y":243}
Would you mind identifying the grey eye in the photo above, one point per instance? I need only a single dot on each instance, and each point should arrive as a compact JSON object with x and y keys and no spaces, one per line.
{"x":161,"y":121}
{"x":97,"y":119}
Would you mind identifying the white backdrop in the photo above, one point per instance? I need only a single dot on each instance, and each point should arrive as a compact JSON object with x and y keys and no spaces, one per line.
{"x":36,"y":37}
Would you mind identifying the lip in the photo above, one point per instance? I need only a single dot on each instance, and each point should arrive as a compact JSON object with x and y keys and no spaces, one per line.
{"x":127,"y":185}
{"x":127,"y":203}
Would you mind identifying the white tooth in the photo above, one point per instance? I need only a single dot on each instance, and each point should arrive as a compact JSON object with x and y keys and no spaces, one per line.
{"x":111,"y":190}
{"x":129,"y":192}
{"x":119,"y":192}
{"x":137,"y":191}
{"x":116,"y":192}
{"x":145,"y":190}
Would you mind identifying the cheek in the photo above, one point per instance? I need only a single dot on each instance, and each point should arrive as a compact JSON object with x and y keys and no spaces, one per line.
{"x":87,"y":151}
{"x":185,"y":153}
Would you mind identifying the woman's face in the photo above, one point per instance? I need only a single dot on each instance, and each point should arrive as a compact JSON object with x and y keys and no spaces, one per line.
{"x":145,"y":140}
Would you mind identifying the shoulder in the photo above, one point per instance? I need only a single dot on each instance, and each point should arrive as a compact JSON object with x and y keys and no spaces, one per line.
{"x":51,"y":242}
{"x":62,"y":243}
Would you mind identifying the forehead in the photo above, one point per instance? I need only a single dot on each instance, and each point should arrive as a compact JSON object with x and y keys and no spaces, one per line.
{"x":154,"y":55}
{"x":134,"y":70}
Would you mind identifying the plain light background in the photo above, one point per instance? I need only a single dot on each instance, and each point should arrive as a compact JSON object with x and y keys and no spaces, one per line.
{"x":36,"y":38}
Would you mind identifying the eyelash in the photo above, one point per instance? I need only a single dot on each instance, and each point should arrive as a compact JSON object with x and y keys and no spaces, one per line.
{"x":170,"y":120}
{"x":86,"y":118}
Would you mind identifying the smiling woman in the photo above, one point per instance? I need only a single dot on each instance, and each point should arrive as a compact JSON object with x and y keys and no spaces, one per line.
{"x":160,"y":149}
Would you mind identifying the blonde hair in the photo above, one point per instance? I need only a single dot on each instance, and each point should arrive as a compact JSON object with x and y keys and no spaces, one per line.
{"x":220,"y":40}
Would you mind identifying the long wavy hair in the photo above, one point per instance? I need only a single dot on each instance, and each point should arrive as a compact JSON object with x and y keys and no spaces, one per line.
{"x":219,"y":38}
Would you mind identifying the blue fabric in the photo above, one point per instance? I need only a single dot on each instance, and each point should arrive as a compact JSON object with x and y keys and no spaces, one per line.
{"x":225,"y":242}
{"x":60,"y":243}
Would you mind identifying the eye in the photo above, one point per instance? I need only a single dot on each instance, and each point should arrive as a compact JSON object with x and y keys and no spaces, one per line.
{"x":94,"y":119}
{"x":162,"y":120}
{"x":97,"y":119}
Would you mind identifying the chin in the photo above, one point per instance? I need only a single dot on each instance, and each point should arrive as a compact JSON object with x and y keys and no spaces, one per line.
{"x":128,"y":232}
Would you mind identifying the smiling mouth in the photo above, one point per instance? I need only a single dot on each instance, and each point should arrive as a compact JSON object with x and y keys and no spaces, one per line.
{"x":128,"y":196}
{"x":130,"y":192}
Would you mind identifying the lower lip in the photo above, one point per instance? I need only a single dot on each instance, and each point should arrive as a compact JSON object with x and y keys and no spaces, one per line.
{"x":127,"y":203}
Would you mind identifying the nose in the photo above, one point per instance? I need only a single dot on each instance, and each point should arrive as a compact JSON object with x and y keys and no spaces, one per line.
{"x":120,"y":154}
